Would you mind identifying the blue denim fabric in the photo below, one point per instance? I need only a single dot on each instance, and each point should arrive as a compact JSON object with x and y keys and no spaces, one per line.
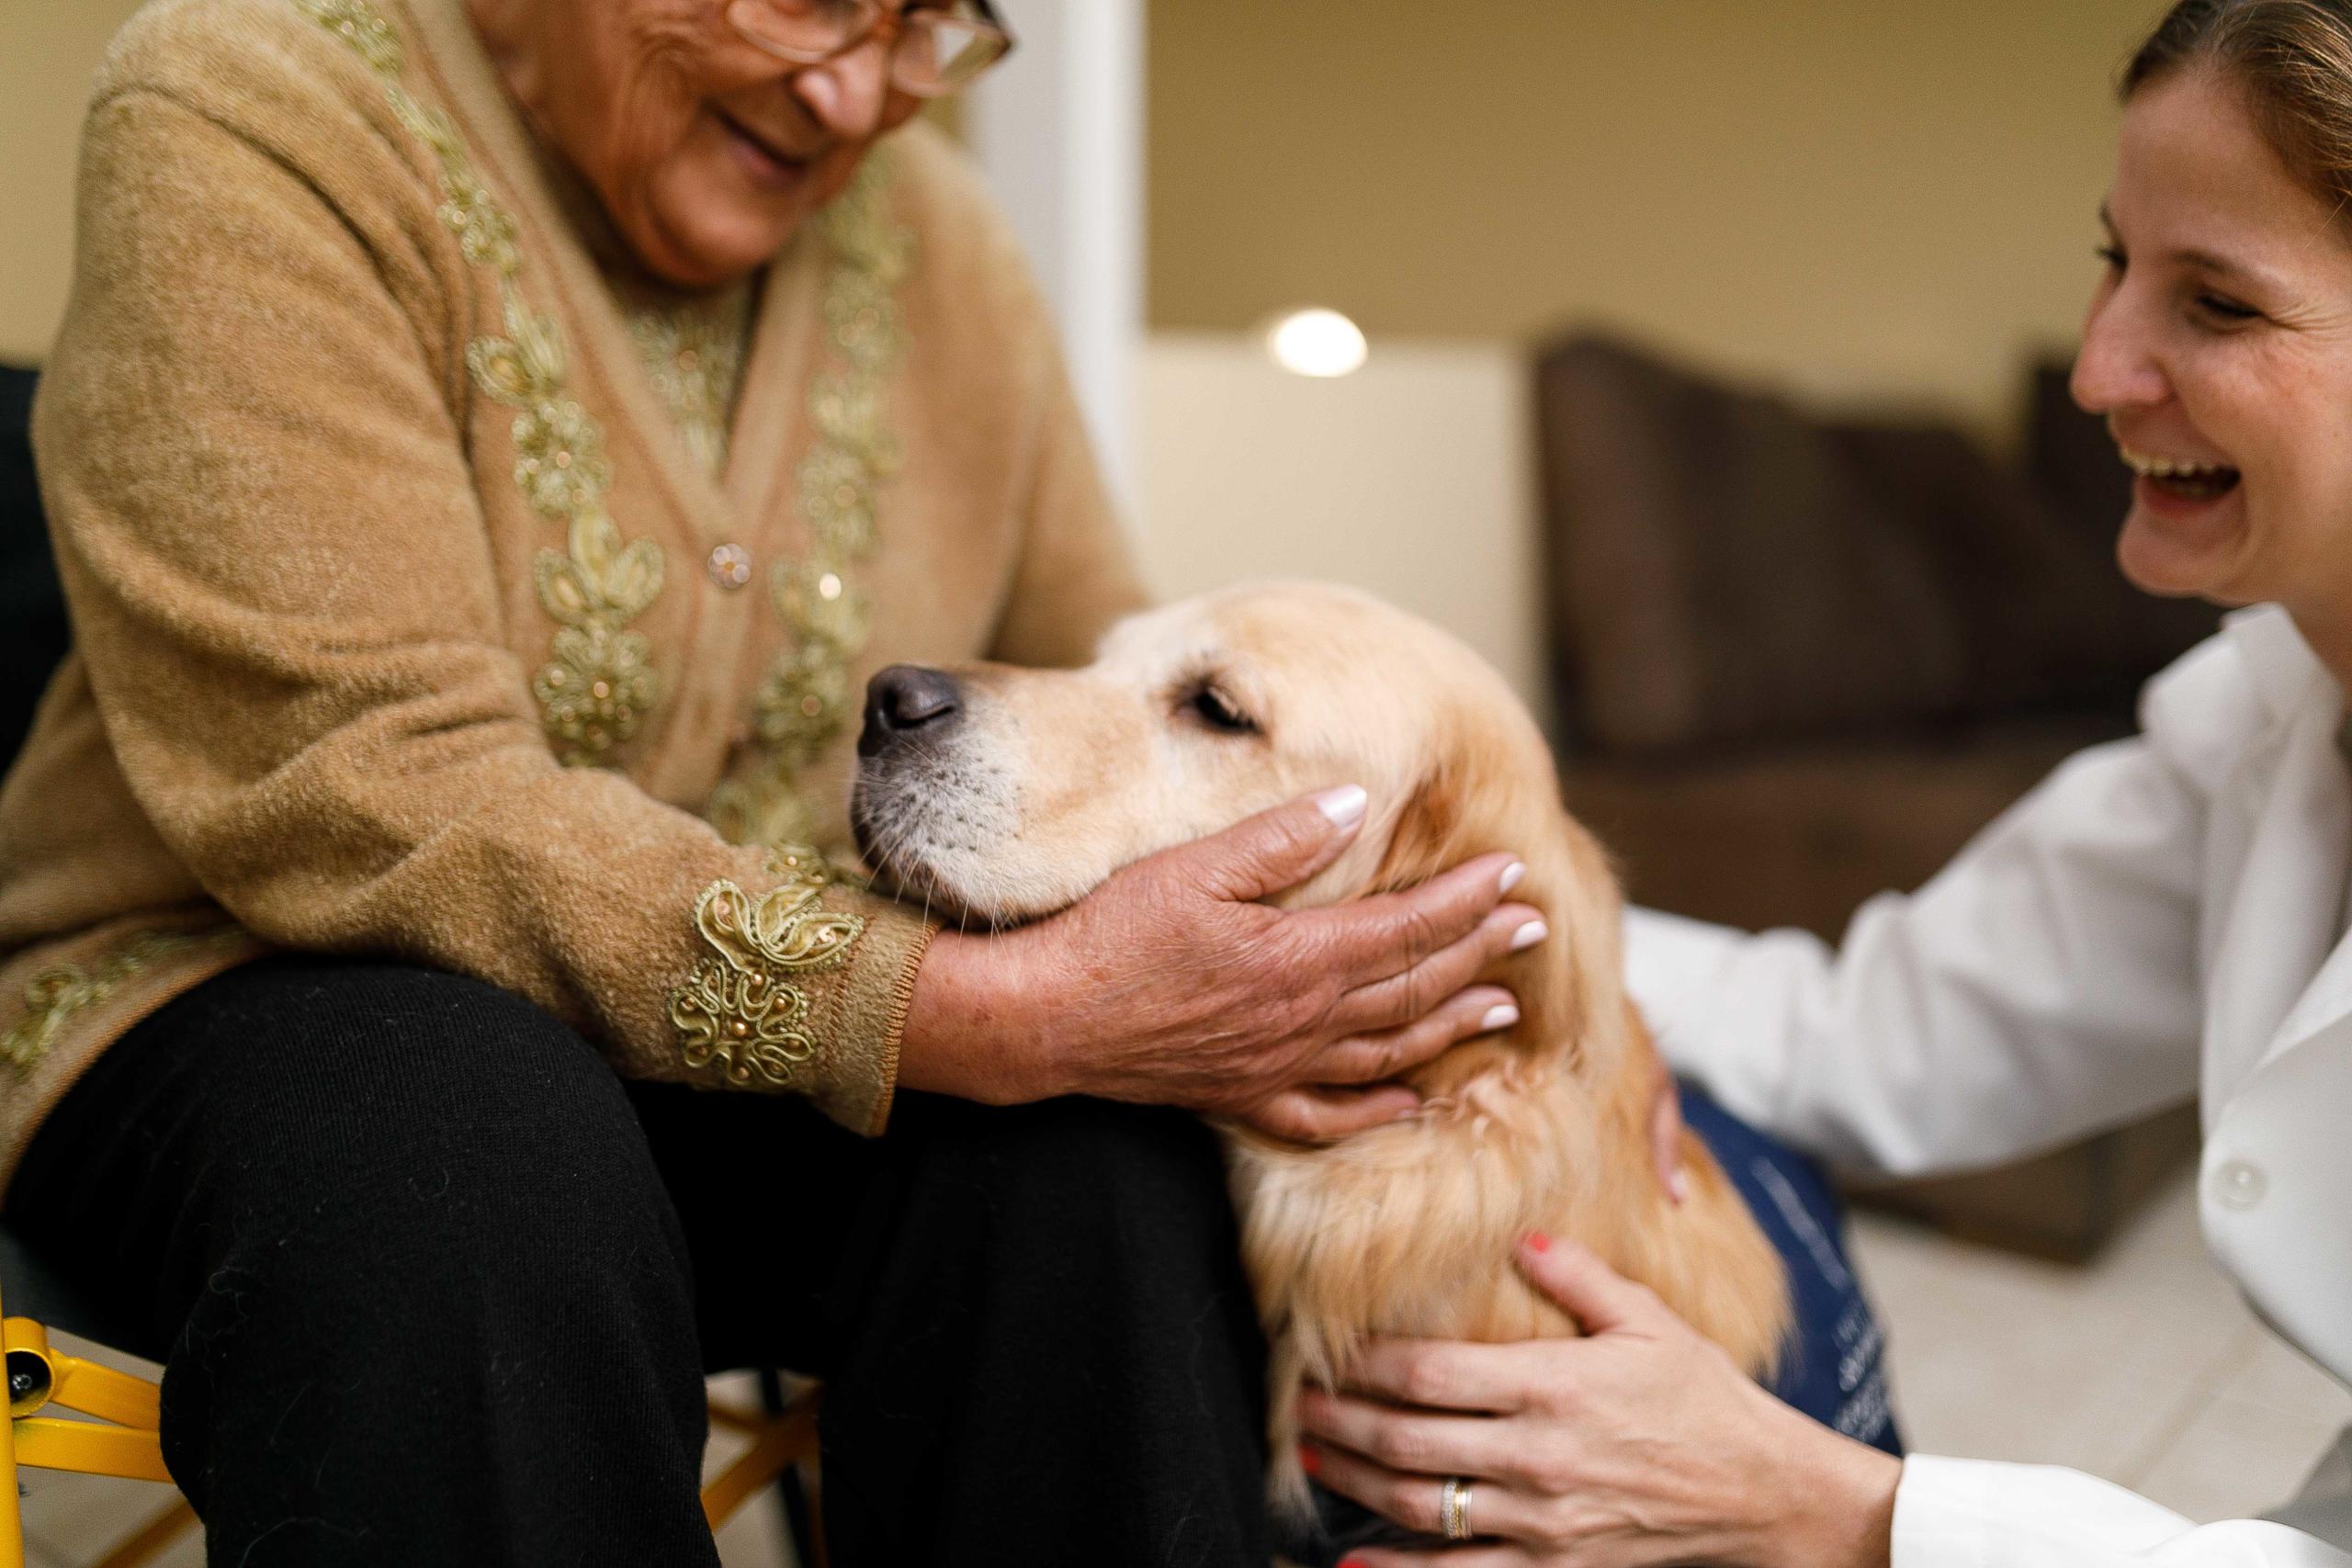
{"x":1833,"y":1366}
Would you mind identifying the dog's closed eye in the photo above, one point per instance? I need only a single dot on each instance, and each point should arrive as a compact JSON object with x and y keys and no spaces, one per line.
{"x":1215,"y":708}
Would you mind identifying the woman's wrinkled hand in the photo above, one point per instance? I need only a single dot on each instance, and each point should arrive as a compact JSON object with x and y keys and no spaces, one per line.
{"x":1172,"y":984}
{"x":1639,"y":1445}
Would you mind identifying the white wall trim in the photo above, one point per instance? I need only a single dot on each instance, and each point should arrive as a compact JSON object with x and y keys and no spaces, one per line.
{"x":1058,"y":129}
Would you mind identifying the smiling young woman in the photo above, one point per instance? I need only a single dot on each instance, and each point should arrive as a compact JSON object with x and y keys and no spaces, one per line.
{"x":2164,"y":918}
{"x":2219,"y":344}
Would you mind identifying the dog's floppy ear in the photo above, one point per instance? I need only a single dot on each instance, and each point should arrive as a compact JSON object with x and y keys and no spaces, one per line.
{"x":1421,"y":842}
{"x":1473,"y":800}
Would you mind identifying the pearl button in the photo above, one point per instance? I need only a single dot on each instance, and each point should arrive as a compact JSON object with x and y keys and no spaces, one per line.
{"x":730,"y":566}
{"x":2239,"y":1184}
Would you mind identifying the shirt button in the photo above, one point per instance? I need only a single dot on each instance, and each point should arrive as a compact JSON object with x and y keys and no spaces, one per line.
{"x":730,"y":566}
{"x":2239,"y":1184}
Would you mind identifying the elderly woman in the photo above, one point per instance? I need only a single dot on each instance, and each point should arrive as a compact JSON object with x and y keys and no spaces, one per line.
{"x":490,"y":441}
{"x":2164,"y":918}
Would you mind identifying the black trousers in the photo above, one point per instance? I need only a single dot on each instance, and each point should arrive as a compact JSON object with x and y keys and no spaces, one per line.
{"x":432,"y":1285}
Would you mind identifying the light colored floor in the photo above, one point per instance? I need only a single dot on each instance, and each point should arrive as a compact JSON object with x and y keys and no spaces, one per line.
{"x":2145,"y":1367}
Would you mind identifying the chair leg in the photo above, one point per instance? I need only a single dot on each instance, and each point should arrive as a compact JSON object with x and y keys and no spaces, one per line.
{"x":122,"y":1441}
{"x":809,"y":1487}
{"x":12,"y":1522}
{"x":795,"y":1489}
{"x":778,"y":1444}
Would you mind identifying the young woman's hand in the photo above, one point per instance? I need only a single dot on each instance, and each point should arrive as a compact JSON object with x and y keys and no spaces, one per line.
{"x":1172,"y":985}
{"x":1641,"y":1444}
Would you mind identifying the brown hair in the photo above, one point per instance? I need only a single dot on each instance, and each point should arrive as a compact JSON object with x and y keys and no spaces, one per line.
{"x":2293,"y":61}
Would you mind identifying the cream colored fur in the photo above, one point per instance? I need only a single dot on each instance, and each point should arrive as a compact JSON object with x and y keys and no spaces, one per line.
{"x":1055,"y":779}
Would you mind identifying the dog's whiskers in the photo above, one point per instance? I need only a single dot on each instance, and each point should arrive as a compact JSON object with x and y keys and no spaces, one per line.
{"x":891,"y":829}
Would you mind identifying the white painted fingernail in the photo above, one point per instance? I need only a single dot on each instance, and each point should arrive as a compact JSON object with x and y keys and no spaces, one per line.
{"x":1681,"y":1187}
{"x":1344,"y":805}
{"x":1514,"y":874}
{"x":1502,"y":1016}
{"x":1528,"y":935}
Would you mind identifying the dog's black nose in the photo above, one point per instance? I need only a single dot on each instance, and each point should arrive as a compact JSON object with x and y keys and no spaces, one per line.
{"x":905,"y":698}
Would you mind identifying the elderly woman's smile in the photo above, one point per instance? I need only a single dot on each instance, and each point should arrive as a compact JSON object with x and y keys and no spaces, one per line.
{"x":766,"y":161}
{"x":705,"y":148}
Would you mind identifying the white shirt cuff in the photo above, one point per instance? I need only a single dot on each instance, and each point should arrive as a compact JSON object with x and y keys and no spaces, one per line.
{"x":1965,"y":1513}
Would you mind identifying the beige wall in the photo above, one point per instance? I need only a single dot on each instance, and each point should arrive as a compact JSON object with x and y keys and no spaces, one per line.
{"x":48,"y":49}
{"x":1869,"y":195}
{"x":1412,"y":478}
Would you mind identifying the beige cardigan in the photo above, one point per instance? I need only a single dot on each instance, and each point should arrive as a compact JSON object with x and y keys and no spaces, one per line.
{"x":398,"y":625}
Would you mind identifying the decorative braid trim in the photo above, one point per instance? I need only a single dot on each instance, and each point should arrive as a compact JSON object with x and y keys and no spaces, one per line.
{"x":599,"y":681}
{"x":54,"y":995}
{"x":738,"y":1014}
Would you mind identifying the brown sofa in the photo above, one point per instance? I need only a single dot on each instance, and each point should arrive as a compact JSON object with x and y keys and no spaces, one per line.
{"x":1798,"y":661}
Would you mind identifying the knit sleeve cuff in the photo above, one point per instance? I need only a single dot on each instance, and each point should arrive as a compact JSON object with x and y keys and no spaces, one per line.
{"x":803,"y":988}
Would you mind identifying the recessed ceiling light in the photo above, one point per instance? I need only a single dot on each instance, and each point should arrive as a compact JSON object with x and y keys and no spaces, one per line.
{"x":1316,"y":342}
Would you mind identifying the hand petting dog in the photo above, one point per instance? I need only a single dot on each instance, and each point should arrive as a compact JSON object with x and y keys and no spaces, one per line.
{"x":1640,"y":1444}
{"x":1172,"y":985}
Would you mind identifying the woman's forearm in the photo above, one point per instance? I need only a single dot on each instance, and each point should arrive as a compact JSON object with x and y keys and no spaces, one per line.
{"x":1841,"y":1497}
{"x":968,"y":1032}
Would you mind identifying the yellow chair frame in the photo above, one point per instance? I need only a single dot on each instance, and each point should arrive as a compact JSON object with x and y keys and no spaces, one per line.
{"x":123,"y":1441}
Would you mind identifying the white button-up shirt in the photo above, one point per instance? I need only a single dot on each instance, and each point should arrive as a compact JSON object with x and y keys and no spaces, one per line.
{"x":2163,"y":917}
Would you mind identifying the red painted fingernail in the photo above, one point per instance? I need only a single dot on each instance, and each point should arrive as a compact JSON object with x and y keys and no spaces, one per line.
{"x":1538,"y":1241}
{"x":1353,"y":1562}
{"x":1309,"y":1460}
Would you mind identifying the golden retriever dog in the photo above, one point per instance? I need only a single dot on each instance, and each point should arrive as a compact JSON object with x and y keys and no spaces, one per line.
{"x":1200,"y":714}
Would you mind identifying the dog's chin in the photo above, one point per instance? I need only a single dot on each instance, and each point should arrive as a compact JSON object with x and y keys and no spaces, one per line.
{"x":914,"y":883}
{"x":940,"y":896}
{"x":903,"y":873}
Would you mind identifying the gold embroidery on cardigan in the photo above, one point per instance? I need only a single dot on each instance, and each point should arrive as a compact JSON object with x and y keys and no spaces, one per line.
{"x":694,"y":355}
{"x":362,"y":27}
{"x":804,"y":698}
{"x":739,"y":1010}
{"x":599,"y":681}
{"x":56,"y":994}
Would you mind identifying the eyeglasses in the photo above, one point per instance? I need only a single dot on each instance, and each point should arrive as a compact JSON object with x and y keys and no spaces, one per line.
{"x":933,"y":49}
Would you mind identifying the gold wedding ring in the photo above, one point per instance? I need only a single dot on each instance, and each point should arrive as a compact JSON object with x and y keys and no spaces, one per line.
{"x":1453,"y":1508}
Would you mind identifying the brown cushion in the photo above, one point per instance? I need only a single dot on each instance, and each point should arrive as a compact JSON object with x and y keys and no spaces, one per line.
{"x":1725,"y":568}
{"x":1800,"y":834}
